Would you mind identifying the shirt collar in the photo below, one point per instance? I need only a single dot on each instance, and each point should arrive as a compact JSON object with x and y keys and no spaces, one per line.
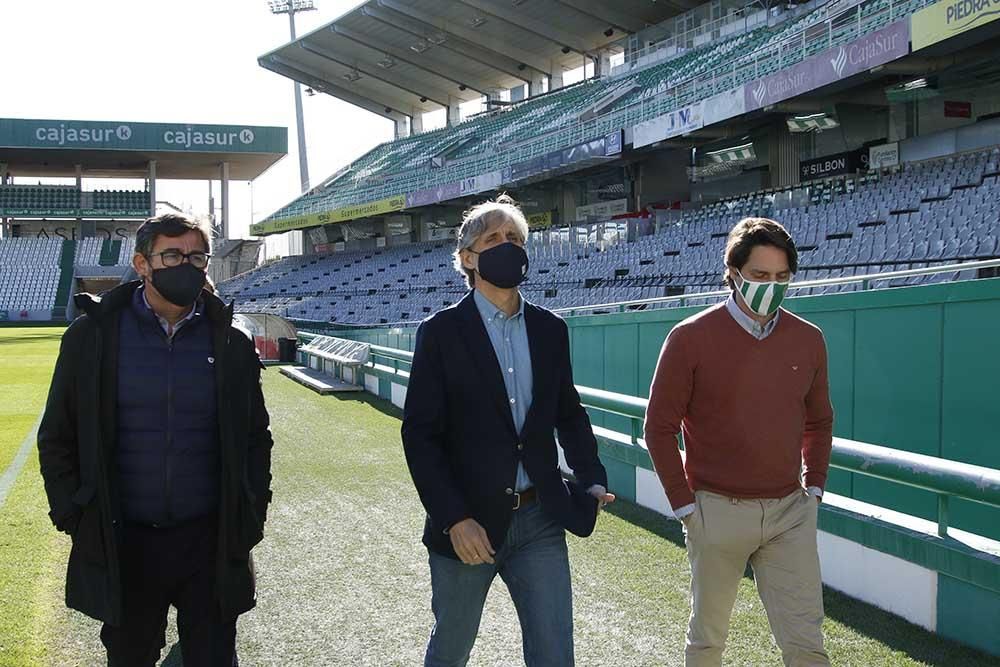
{"x":749,"y":324}
{"x":195,"y":310}
{"x":490,"y":312}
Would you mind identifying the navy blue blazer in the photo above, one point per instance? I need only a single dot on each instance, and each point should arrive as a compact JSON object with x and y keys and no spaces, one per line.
{"x":459,"y":437}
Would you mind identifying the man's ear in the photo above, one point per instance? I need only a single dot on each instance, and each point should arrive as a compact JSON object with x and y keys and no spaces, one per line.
{"x":140,"y":264}
{"x":467,"y":260}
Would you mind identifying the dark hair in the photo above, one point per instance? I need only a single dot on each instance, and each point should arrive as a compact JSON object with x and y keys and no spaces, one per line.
{"x":171,"y":225}
{"x":751,"y":232}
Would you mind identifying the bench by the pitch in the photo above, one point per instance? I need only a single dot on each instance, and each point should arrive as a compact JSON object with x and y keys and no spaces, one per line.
{"x":317,"y":381}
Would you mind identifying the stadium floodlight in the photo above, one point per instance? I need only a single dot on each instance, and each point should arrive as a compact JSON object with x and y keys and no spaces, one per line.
{"x":292,"y":7}
{"x":478,"y":21}
{"x":352,"y":76}
{"x":437,"y":38}
{"x":420,"y":46}
{"x":387,"y":63}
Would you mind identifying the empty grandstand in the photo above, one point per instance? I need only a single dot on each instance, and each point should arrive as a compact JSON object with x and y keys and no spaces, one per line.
{"x":59,"y":238}
{"x":633,"y":176}
{"x":937,"y":212}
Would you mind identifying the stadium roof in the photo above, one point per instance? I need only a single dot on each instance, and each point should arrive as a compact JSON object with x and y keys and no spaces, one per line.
{"x":398,"y":57}
{"x":112,"y":148}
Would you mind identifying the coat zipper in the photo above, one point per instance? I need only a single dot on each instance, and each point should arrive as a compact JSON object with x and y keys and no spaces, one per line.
{"x":168,"y":472}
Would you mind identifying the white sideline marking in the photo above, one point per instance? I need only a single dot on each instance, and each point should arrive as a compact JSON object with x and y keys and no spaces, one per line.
{"x":14,"y":469}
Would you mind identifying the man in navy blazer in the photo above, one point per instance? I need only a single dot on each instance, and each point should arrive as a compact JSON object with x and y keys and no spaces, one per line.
{"x":490,"y":383}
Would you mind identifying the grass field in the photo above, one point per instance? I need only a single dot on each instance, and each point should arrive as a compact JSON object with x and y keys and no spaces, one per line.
{"x":343,"y":579}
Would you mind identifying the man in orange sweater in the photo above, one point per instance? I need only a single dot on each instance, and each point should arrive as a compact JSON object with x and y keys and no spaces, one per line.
{"x":745,"y":382}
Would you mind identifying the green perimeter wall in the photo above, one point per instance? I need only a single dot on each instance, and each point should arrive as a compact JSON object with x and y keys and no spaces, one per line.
{"x":913,"y":368}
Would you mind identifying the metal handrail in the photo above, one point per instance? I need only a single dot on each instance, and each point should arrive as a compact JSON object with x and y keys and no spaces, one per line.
{"x":865,"y":280}
{"x":948,"y":479}
{"x":620,"y":306}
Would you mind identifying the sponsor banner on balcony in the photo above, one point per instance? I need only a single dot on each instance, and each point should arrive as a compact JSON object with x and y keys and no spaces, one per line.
{"x":830,"y":66}
{"x":725,"y":105}
{"x":613,"y":143}
{"x":673,"y":124}
{"x":588,"y":151}
{"x":886,"y":155}
{"x":436,"y":194}
{"x":833,"y":165}
{"x":604,"y":210}
{"x":113,"y":135}
{"x":73,"y":213}
{"x":948,"y":18}
{"x":539,"y":220}
{"x":342,"y":214}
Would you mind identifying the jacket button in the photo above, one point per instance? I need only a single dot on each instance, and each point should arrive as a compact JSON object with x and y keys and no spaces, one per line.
{"x":509,"y":491}
{"x":520,"y":446}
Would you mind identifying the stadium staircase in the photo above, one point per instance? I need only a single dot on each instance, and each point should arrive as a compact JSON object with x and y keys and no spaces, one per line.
{"x":66,"y":261}
{"x":110,"y":251}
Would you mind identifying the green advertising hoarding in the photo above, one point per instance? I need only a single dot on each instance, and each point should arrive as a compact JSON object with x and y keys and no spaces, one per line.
{"x":73,"y":213}
{"x":110,"y":135}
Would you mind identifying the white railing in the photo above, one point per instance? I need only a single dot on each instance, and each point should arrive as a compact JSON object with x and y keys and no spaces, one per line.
{"x":682,"y":299}
{"x":865,"y":280}
{"x":681,"y":43}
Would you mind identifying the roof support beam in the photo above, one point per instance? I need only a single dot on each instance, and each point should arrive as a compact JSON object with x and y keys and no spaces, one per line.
{"x":403,"y":56}
{"x":305,"y":75}
{"x":432,"y":94}
{"x":606,"y":12}
{"x":400,"y":55}
{"x":546,"y":32}
{"x":467,"y":36}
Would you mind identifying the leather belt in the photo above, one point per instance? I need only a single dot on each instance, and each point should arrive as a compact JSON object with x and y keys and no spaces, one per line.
{"x":524,"y":498}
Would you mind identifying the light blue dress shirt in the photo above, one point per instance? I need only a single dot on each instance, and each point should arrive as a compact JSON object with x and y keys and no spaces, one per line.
{"x":509,"y":337}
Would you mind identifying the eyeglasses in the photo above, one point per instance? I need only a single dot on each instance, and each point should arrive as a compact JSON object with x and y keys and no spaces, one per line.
{"x":170,"y":258}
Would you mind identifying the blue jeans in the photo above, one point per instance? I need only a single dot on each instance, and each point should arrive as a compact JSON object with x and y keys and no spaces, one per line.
{"x":534,"y":564}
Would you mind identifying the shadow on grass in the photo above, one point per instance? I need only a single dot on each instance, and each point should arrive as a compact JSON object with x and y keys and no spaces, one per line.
{"x":383,"y":405}
{"x":30,"y":337}
{"x":885,"y":628}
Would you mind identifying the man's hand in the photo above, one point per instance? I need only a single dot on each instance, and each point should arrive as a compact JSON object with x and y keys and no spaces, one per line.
{"x":602,"y":495}
{"x":471,"y":542}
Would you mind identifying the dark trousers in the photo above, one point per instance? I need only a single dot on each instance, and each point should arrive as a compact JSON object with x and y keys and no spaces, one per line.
{"x":163,"y":567}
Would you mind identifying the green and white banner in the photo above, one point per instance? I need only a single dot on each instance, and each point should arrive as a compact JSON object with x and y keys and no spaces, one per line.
{"x":113,"y":135}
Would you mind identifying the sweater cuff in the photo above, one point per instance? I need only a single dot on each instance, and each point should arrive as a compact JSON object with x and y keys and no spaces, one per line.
{"x":680,"y":497}
{"x":816,"y":479}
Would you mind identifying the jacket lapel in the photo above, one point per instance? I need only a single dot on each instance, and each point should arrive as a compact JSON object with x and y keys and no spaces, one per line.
{"x":541,"y":358}
{"x":480,"y":348}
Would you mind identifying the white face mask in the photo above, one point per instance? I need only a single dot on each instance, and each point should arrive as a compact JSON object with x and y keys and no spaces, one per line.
{"x":762,"y":298}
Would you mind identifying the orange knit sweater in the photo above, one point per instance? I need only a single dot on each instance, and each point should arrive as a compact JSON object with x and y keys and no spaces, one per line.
{"x":753,"y":413}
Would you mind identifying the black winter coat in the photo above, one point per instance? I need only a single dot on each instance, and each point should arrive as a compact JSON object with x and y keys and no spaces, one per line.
{"x":76,"y":444}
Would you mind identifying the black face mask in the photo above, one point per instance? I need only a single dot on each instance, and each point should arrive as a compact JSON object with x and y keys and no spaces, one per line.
{"x":505,"y":265}
{"x":180,"y":285}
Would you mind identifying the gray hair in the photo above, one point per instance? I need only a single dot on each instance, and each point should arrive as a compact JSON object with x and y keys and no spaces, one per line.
{"x":171,"y":225}
{"x":477,"y":220}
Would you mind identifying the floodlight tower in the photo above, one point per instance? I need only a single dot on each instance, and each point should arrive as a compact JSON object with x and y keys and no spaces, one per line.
{"x":291,"y":7}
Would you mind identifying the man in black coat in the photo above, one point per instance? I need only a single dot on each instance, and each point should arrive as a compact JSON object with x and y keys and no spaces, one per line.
{"x":155,"y":450}
{"x":489,"y":385}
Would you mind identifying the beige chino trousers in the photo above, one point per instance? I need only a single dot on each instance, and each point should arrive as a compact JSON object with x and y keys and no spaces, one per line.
{"x":778,"y":538}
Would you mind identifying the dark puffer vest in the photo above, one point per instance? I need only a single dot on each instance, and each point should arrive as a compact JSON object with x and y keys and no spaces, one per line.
{"x":168,"y":445}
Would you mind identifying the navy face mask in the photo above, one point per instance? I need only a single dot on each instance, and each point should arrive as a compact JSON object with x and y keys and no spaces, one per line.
{"x":504,"y":265}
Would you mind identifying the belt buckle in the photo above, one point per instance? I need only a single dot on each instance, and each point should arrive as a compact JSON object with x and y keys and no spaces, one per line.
{"x":517,"y":501}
